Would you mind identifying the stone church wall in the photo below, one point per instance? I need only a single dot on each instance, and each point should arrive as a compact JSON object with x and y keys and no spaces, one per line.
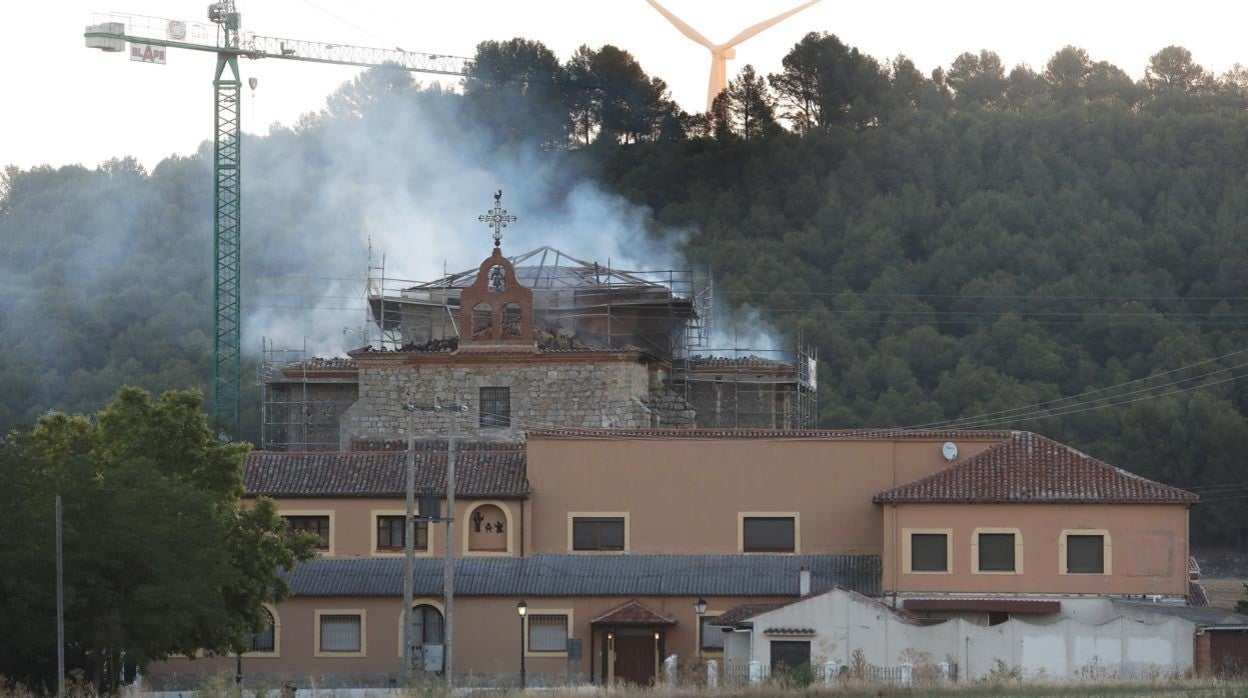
{"x":549,"y":393}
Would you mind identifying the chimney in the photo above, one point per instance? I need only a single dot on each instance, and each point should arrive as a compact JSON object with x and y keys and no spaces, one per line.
{"x":803,"y":581}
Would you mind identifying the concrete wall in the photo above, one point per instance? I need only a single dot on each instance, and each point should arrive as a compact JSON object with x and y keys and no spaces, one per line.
{"x":545,"y":391}
{"x":353,"y":526}
{"x":487,"y":644}
{"x":845,"y":622}
{"x":684,"y":496}
{"x":1147,"y":552}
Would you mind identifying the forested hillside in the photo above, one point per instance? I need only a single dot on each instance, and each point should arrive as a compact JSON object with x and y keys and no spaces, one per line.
{"x":1063,"y":249}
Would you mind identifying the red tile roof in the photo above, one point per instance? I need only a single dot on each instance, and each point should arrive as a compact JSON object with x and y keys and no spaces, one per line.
{"x":745,"y":611}
{"x":789,"y":631}
{"x":1029,"y":468}
{"x":828,"y":434}
{"x":633,"y":613}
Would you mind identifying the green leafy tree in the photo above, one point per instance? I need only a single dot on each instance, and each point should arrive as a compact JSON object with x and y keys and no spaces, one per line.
{"x":516,"y":88}
{"x":1173,"y":69}
{"x":161,"y":555}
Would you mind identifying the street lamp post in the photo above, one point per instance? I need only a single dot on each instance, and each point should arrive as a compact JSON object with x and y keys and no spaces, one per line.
{"x":699,"y":609}
{"x":521,"y":609}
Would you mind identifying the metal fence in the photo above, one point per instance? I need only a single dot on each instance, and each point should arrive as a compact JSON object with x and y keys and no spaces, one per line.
{"x":735,"y":674}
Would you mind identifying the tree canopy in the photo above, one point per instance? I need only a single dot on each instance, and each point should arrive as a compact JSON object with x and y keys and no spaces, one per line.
{"x":161,"y":556}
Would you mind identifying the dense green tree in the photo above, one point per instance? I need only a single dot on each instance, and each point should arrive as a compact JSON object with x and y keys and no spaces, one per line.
{"x":977,"y":78}
{"x":826,"y":83}
{"x":1174,"y":69}
{"x":516,"y":89}
{"x":752,"y":108}
{"x":161,"y":556}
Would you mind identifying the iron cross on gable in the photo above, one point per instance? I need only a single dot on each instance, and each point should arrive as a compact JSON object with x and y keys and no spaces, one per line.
{"x":497,"y":218}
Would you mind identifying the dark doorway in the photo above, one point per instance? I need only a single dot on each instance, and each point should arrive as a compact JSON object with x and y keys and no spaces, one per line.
{"x":789,"y":655}
{"x":634,"y":659}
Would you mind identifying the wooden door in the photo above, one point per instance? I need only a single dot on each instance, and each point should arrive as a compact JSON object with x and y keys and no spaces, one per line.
{"x":634,"y":659}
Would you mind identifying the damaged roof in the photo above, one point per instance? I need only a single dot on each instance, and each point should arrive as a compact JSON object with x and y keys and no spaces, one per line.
{"x":478,"y":474}
{"x":1029,"y":468}
{"x":591,"y":575}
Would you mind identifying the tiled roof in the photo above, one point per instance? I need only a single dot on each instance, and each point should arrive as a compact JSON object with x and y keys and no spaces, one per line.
{"x":736,"y":614}
{"x":383,"y":474}
{"x":1029,"y":468}
{"x":711,"y":363}
{"x":828,"y":434}
{"x":317,"y":363}
{"x":1196,"y":594}
{"x":591,"y":575}
{"x":789,"y":631}
{"x":633,"y":613}
{"x":434,"y":445}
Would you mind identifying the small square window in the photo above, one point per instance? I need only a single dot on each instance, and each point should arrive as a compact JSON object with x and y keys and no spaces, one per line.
{"x":340,"y":633}
{"x":548,"y":632}
{"x":769,"y":534}
{"x":1085,"y":554}
{"x":929,"y":552}
{"x":318,"y":525}
{"x":598,"y":533}
{"x":996,"y":552}
{"x":390,"y":534}
{"x":495,"y":407}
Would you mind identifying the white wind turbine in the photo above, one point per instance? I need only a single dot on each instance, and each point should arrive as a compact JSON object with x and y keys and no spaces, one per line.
{"x":720,"y":53}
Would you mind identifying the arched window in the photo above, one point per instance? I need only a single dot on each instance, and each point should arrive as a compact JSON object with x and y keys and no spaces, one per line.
{"x":488,"y":528}
{"x":427,"y":624}
{"x":265,"y":640}
{"x":482,"y":320}
{"x":511,"y":320}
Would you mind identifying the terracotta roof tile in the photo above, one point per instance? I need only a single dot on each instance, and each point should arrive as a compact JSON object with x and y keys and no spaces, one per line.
{"x":633,"y":612}
{"x":745,"y":611}
{"x":789,"y":631}
{"x":828,"y":434}
{"x":1029,"y":468}
{"x":383,"y":474}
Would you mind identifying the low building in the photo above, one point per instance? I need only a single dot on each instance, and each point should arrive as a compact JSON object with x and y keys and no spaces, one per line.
{"x":609,"y":536}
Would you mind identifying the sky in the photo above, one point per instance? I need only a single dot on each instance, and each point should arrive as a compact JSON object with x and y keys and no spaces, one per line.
{"x":74,"y":105}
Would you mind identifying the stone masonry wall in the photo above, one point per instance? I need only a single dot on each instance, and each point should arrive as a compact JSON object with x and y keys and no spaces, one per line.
{"x":550,"y":393}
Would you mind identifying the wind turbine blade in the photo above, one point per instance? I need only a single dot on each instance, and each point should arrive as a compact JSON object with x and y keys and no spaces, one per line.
{"x":680,"y":25}
{"x":764,"y":24}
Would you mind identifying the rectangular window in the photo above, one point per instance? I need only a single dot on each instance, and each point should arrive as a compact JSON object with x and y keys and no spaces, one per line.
{"x":548,"y":633}
{"x":1085,"y":554}
{"x":929,"y":552}
{"x":390,"y":534}
{"x":789,"y":655}
{"x":769,"y":534}
{"x":340,"y":633}
{"x":996,"y":552}
{"x":598,"y":533}
{"x":318,"y":525}
{"x":712,"y":636}
{"x":495,"y":405}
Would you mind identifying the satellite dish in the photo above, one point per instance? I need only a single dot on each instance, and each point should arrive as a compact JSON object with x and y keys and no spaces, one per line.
{"x":949,"y":450}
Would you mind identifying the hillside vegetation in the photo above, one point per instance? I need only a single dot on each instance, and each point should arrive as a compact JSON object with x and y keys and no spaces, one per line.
{"x":1063,"y":250}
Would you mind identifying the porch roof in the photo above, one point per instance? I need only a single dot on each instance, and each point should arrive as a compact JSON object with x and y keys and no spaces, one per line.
{"x":633,"y":612}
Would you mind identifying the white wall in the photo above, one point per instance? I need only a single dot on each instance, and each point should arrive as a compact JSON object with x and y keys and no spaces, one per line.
{"x":845,"y":621}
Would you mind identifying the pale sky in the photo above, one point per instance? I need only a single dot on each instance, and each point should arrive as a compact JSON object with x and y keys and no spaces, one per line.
{"x":67,"y":104}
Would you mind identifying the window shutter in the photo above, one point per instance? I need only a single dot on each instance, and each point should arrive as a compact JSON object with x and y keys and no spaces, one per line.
{"x":712,"y":635}
{"x":929,"y":552}
{"x":768,"y":534}
{"x":548,"y":633}
{"x":1085,"y":554}
{"x":340,"y":633}
{"x":996,"y":552}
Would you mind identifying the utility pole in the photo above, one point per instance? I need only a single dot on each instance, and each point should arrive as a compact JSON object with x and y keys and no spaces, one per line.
{"x":60,"y":607}
{"x":409,"y":543}
{"x":448,"y":573}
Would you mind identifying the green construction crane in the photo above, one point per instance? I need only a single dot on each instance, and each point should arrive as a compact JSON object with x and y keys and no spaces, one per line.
{"x":148,"y":39}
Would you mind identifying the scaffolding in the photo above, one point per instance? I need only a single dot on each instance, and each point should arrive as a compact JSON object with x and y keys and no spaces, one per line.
{"x":302,"y":398}
{"x":731,"y":374}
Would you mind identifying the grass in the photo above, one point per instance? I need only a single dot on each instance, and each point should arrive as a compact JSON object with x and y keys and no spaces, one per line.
{"x":1224,"y":592}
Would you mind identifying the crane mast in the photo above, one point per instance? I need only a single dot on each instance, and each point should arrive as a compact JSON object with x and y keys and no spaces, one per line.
{"x":112,"y":32}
